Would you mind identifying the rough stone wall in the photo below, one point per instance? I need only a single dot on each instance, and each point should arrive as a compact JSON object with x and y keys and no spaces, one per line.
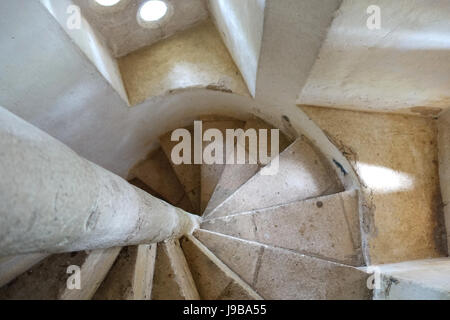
{"x":444,"y":165}
{"x":122,"y":31}
{"x":396,"y":159}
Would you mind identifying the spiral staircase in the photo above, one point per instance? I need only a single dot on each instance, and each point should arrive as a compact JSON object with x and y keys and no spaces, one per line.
{"x":292,"y":235}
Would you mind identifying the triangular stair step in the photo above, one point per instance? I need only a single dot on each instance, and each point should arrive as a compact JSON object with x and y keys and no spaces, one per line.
{"x":173,"y":279}
{"x":235,"y":175}
{"x":131,"y":276}
{"x":302,"y":174}
{"x":188,"y":174}
{"x":214,"y":280}
{"x":327,"y":227}
{"x":278,"y":274}
{"x":211,"y":173}
{"x":257,"y":124}
{"x":12,"y":267}
{"x":48,"y":279}
{"x":156,"y":176}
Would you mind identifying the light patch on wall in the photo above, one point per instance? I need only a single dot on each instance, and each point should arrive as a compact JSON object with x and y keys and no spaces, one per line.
{"x":384,"y":180}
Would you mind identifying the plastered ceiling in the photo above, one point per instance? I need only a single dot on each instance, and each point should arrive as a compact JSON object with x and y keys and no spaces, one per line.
{"x":122,"y":32}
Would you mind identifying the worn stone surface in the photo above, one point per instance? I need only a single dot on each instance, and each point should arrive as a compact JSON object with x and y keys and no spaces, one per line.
{"x":395,"y":157}
{"x":12,"y":267}
{"x":165,"y":285}
{"x":45,"y":281}
{"x":188,"y":174}
{"x":235,"y":175}
{"x":48,"y":279}
{"x":210,"y":173}
{"x":80,"y":206}
{"x":302,"y":174}
{"x":183,"y":275}
{"x":193,"y":58}
{"x":214,"y":280}
{"x":413,"y":280}
{"x":258,"y":124}
{"x":238,"y":256}
{"x":444,"y":167}
{"x":131,"y":276}
{"x":157,"y":173}
{"x":321,"y":227}
{"x":282,"y":274}
{"x":93,"y":271}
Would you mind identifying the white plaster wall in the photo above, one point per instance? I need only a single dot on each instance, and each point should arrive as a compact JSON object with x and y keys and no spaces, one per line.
{"x":241,"y":25}
{"x":90,"y":42}
{"x":48,"y":81}
{"x":124,"y":34}
{"x":293,"y":34}
{"x":404,"y":65}
{"x":444,"y":166}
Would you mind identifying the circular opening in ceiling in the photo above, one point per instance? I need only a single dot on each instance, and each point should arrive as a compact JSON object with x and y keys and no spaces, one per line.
{"x":107,"y":3}
{"x":153,"y":10}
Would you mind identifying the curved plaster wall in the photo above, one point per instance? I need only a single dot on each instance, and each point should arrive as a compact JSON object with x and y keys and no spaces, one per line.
{"x":403,"y":67}
{"x":124,"y":34}
{"x":57,"y":89}
{"x":194,"y":58}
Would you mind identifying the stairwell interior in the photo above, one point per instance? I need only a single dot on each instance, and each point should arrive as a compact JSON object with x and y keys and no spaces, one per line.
{"x":364,"y":166}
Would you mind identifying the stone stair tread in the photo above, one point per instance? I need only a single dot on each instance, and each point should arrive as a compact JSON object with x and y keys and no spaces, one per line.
{"x":156,"y":172}
{"x":214,"y":280}
{"x":48,"y":279}
{"x":302,"y":174}
{"x":93,"y":272}
{"x":235,"y":175}
{"x":277,"y":273}
{"x":188,"y":174}
{"x":326,"y":226}
{"x":183,"y":274}
{"x":131,"y":276}
{"x":211,"y":173}
{"x":172,"y":278}
{"x":12,"y":267}
{"x":257,"y":123}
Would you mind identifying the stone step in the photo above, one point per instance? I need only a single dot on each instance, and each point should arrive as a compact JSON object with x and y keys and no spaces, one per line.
{"x":210,"y":173}
{"x":173,"y":279}
{"x":235,"y":175}
{"x":278,"y":274}
{"x":214,"y":280}
{"x":412,"y":280}
{"x":257,"y":124}
{"x":326,"y":227}
{"x":188,"y":174}
{"x":12,"y":267}
{"x":302,"y":174}
{"x":131,"y":276}
{"x":156,"y":172}
{"x":48,"y":279}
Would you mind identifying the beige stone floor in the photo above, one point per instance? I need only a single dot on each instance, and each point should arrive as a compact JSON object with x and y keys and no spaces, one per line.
{"x":196,"y":57}
{"x":395,"y":157}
